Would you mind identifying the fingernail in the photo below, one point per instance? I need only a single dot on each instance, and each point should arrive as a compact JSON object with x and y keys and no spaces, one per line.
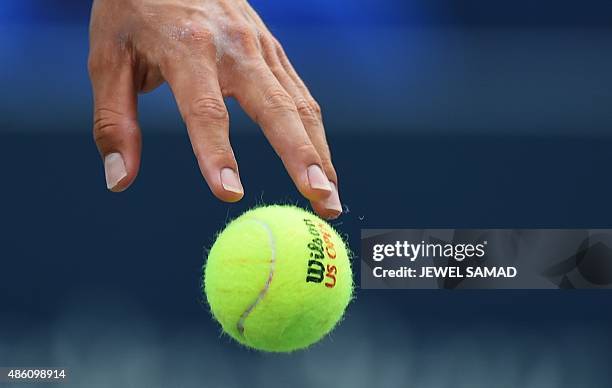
{"x":317,"y":179}
{"x":114,"y":169}
{"x":332,"y":203}
{"x":230,"y":181}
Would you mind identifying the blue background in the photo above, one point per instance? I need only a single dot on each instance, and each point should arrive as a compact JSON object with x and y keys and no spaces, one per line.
{"x":439,"y":113}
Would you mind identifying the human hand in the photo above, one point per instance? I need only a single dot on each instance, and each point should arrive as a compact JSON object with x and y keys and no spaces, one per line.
{"x":205,"y":50}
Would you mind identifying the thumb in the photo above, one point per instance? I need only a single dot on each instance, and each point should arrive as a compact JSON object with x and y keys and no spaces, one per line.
{"x":115,"y":128}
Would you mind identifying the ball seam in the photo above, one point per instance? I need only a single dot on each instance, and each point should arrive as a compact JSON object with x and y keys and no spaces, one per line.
{"x":266,"y":287}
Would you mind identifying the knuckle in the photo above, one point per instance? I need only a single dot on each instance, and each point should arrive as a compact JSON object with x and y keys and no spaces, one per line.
{"x":214,"y":152}
{"x":220,"y":150}
{"x":209,"y":108}
{"x":309,"y":109}
{"x":276,"y":43}
{"x":268,"y":45}
{"x":315,"y":108}
{"x":277,"y":100}
{"x":305,"y":148}
{"x":194,"y":34}
{"x":201,"y":35}
{"x":107,"y":124}
{"x":305,"y":151}
{"x":278,"y":47}
{"x":243,"y":36}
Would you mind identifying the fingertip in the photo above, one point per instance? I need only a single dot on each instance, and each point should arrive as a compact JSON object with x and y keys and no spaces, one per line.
{"x":230,"y":197}
{"x":329,"y":208}
{"x":317,"y":179}
{"x":116,"y":173}
{"x":313,"y":184}
{"x":119,"y":144}
{"x":227,"y":187}
{"x":227,"y":196}
{"x":315,"y":195}
{"x":325,"y":213}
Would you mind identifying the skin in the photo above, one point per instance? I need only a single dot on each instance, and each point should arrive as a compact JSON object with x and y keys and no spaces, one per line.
{"x":205,"y":50}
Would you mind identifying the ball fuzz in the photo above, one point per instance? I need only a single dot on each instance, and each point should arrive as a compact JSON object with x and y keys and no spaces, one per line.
{"x":278,"y":278}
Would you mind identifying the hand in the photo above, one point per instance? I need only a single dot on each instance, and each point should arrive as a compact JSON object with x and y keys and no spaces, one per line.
{"x":205,"y":50}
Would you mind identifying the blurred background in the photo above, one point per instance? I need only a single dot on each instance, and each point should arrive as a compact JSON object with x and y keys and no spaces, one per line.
{"x":439,"y":114}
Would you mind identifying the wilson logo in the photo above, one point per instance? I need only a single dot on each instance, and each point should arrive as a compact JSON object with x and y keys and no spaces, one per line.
{"x":321,"y":253}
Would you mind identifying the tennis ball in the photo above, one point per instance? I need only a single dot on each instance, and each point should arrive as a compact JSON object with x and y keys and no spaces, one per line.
{"x":278,"y":278}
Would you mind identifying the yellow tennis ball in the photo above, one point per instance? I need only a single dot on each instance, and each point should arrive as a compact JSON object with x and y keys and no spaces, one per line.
{"x":278,"y":278}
